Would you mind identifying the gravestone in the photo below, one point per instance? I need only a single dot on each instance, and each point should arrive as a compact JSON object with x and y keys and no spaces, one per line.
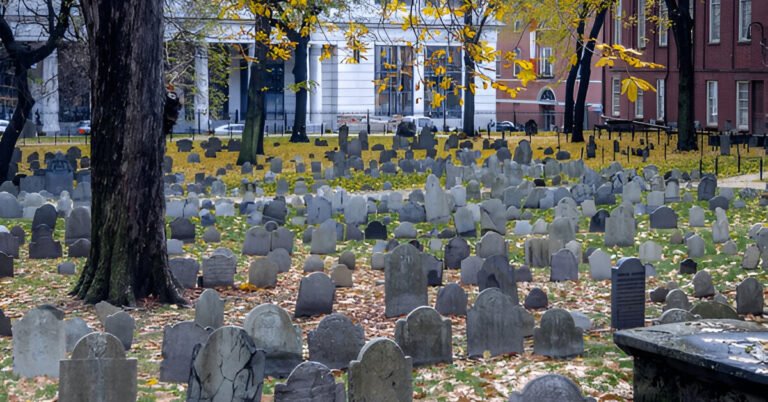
{"x":425,"y":336}
{"x":493,"y":325}
{"x":405,"y":284}
{"x":310,"y":381}
{"x":228,"y":367}
{"x":341,"y":276}
{"x":470,"y":266}
{"x":185,"y":270}
{"x":121,"y":325}
{"x":497,"y":273}
{"x":219,"y":269}
{"x":550,"y":388}
{"x":451,"y":300}
{"x":262,"y":273}
{"x":39,"y":342}
{"x":74,"y":329}
{"x":179,"y":342}
{"x":5,"y":325}
{"x":9,"y":245}
{"x":183,"y":229}
{"x":98,"y":371}
{"x":628,"y":294}
{"x":376,"y":231}
{"x":492,"y":244}
{"x":324,"y":238}
{"x":600,"y":265}
{"x":565,"y":267}
{"x":750,"y":298}
{"x":677,"y":299}
{"x":536,"y":299}
{"x":45,"y":215}
{"x":335,"y":342}
{"x":6,"y":266}
{"x":558,"y":337}
{"x":663,"y":217}
{"x":707,"y":187}
{"x":381,"y":372}
{"x":316,"y":295}
{"x":696,"y":216}
{"x":271,"y":329}
{"x":42,"y":245}
{"x":80,"y":248}
{"x":258,"y":241}
{"x":209,"y":310}
{"x":702,"y":285}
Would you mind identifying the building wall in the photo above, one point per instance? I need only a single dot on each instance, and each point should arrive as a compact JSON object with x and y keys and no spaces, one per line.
{"x":726,"y":62}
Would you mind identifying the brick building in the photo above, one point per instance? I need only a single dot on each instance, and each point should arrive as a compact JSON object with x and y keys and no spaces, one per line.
{"x":730,"y":62}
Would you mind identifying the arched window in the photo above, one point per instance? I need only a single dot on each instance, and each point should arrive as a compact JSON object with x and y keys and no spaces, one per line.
{"x":547,"y":96}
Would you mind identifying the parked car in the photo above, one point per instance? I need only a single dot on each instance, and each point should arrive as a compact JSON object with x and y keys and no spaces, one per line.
{"x":420,"y":121}
{"x":3,"y":125}
{"x":83,"y":127}
{"x":229,"y":128}
{"x":508,"y":126}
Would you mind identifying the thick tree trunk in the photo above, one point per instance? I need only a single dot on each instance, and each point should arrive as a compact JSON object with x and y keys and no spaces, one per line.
{"x":570,"y":82}
{"x":299,"y":130}
{"x":586,"y":73}
{"x":682,"y":23}
{"x":255,"y":115}
{"x":128,"y":258}
{"x":21,"y":113}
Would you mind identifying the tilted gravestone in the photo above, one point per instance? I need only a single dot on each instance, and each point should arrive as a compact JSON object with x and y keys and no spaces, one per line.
{"x":209,"y":310}
{"x":228,"y":367}
{"x":451,"y":300}
{"x":550,"y":387}
{"x":335,"y":342}
{"x":628,"y":294}
{"x":39,"y":342}
{"x":74,"y":329}
{"x":381,"y":372}
{"x":98,"y":371}
{"x":179,"y":342}
{"x":121,"y":325}
{"x":558,"y":336}
{"x":271,"y":329}
{"x":493,"y":325}
{"x":425,"y":336}
{"x":316,"y":295}
{"x":310,"y":381}
{"x":456,"y":251}
{"x":405,"y":284}
{"x":750,"y":298}
{"x":497,"y":273}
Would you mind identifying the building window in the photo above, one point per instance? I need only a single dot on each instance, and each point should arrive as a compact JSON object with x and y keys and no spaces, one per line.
{"x":518,"y":27}
{"x":516,"y":69}
{"x":742,"y":105}
{"x":714,"y":21}
{"x":712,"y":103}
{"x":442,"y":76}
{"x":661,"y":98}
{"x":663,"y":27}
{"x":356,"y":55}
{"x":745,"y":18}
{"x":641,"y":38}
{"x":393,"y":80}
{"x":639,"y":104}
{"x":616,"y":97}
{"x":618,"y":24}
{"x":545,"y":63}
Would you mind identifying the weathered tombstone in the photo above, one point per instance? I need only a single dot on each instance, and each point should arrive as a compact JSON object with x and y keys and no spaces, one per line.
{"x":258,"y":241}
{"x":663,"y":217}
{"x":228,"y":367}
{"x":310,"y":381}
{"x":80,"y":248}
{"x":45,"y":215}
{"x":470,"y":266}
{"x":98,"y":371}
{"x":493,"y":325}
{"x":324,"y":238}
{"x":183,"y":229}
{"x":121,"y":325}
{"x":316,"y":295}
{"x":456,"y":251}
{"x":271,"y":329}
{"x":219,"y":269}
{"x":341,"y":276}
{"x":600,"y":265}
{"x":558,"y":336}
{"x":376,"y":231}
{"x":565,"y":267}
{"x":550,"y":388}
{"x":628,"y":294}
{"x":209,"y":310}
{"x":262,"y":273}
{"x":58,"y":175}
{"x":497,"y":273}
{"x":335,"y":342}
{"x":451,"y":300}
{"x":749,"y":297}
{"x":707,"y":187}
{"x":39,"y":342}
{"x":74,"y":329}
{"x":5,"y":325}
{"x":381,"y":372}
{"x":536,"y":299}
{"x":405,"y":284}
{"x":42,"y":245}
{"x":702,"y":285}
{"x":425,"y":336}
{"x":179,"y":343}
{"x":6,"y":266}
{"x":492,"y":244}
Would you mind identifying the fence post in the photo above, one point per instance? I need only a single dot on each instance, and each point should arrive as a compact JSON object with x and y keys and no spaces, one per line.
{"x":761,"y":168}
{"x":629,"y":152}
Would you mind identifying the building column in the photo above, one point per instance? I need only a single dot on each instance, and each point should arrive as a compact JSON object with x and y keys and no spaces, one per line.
{"x":316,"y":76}
{"x":201,"y":87}
{"x":50,"y":97}
{"x":419,"y":83}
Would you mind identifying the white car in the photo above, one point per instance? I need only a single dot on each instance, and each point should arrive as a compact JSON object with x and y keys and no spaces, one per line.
{"x":229,"y":128}
{"x":420,"y":121}
{"x":3,"y":125}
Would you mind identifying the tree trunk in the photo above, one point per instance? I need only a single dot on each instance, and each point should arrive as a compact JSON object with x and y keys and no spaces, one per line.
{"x":299,"y":130}
{"x":128,"y":258}
{"x":586,"y":73}
{"x":570,"y":82}
{"x":21,"y":113}
{"x":255,"y":115}
{"x":682,"y":23}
